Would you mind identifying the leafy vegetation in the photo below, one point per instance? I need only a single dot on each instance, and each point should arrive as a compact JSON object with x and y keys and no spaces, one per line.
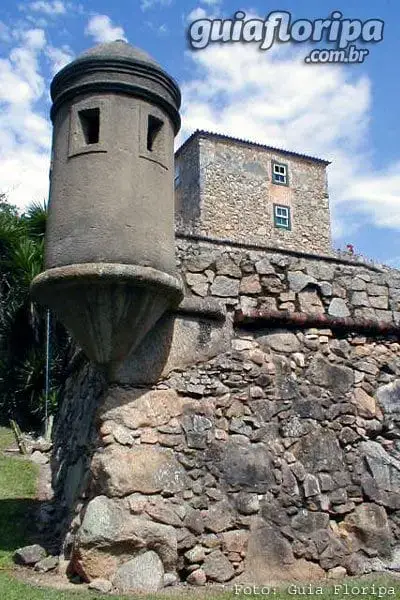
{"x":22,"y":322}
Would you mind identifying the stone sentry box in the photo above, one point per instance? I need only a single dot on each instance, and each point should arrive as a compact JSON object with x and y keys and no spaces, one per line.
{"x":110,"y":256}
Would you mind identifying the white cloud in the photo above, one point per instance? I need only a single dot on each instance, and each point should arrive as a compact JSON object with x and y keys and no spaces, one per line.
{"x":377,"y":195}
{"x":34,"y":38}
{"x":4,"y":32}
{"x":23,"y":67}
{"x":148,"y":4}
{"x":58,"y":57}
{"x":101,"y":29}
{"x":197,"y":13}
{"x":275,"y":99}
{"x":25,"y":134}
{"x":48,"y":8}
{"x":211,"y":11}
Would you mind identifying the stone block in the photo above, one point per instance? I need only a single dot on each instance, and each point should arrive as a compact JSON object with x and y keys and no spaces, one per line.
{"x":280,"y":341}
{"x":225,"y":287}
{"x":29,"y":555}
{"x":380,"y":302}
{"x":365,"y":404}
{"x":148,"y":470}
{"x":264,"y":267}
{"x":270,"y":559}
{"x":388,"y":398}
{"x":197,"y":578}
{"x":381,"y":480}
{"x":145,"y":574}
{"x":163,"y":512}
{"x":226,"y":266}
{"x":360,"y":299}
{"x":100,"y":585}
{"x":219,"y":517}
{"x":235,"y":541}
{"x":245,"y":467}
{"x":338,"y":308}
{"x":337,"y":378}
{"x":310,"y":302}
{"x":135,"y":408}
{"x":299,"y":280}
{"x":217,"y":567}
{"x":250,"y":285}
{"x":369,"y":524}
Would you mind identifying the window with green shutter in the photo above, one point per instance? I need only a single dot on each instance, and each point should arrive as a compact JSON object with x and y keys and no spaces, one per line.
{"x":282,"y":216}
{"x":280,"y":173}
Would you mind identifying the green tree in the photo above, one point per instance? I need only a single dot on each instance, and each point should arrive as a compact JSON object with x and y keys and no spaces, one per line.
{"x":22,"y":322}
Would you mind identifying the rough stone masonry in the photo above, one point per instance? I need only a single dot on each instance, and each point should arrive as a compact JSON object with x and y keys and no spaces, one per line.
{"x":252,"y":432}
{"x":226,"y":188}
{"x":261,"y":452}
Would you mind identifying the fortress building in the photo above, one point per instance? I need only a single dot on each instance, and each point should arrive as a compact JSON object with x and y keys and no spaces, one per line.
{"x":231,"y":189}
{"x":232,"y":413}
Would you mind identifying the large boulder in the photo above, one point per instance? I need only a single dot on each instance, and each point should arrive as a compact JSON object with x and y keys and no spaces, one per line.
{"x":109,"y":535}
{"x":219,"y":517}
{"x":119,"y":472}
{"x":138,"y":408}
{"x":370,"y":526}
{"x":29,"y":555}
{"x":338,"y":379}
{"x":388,"y":397}
{"x":319,"y":451}
{"x":217,"y":567}
{"x":245,"y":467}
{"x":270,"y":558}
{"x":280,"y":341}
{"x":145,"y":573}
{"x":381,"y":479}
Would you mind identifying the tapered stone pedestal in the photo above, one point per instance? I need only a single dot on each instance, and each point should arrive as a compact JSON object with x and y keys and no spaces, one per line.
{"x":108,"y":308}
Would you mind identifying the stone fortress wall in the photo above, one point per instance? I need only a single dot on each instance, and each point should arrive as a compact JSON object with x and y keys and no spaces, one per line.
{"x":225,"y":190}
{"x":259,"y":444}
{"x":252,"y":434}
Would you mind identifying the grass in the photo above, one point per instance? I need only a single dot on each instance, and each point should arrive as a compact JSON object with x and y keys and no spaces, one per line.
{"x":18,"y":480}
{"x":12,"y":589}
{"x":17,"y":493}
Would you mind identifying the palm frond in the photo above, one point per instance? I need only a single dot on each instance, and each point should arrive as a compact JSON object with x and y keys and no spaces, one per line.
{"x":11,"y":230}
{"x":35,"y":219}
{"x":26,"y":259}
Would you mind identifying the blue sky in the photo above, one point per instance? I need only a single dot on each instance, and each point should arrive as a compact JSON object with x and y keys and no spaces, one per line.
{"x":347,"y":114}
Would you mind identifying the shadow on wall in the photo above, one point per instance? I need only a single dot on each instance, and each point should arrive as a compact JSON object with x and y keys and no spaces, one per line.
{"x":175,"y":342}
{"x":76,"y":432}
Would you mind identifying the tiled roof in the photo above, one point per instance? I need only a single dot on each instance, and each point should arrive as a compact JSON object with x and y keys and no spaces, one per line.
{"x":219,"y":136}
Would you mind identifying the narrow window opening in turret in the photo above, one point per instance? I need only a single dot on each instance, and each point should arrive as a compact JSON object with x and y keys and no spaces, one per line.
{"x":154,"y":135}
{"x":90,"y":122}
